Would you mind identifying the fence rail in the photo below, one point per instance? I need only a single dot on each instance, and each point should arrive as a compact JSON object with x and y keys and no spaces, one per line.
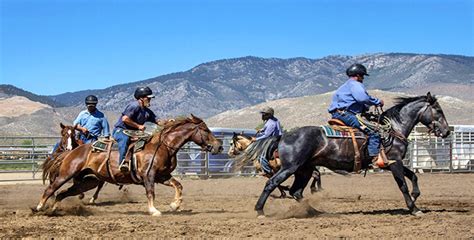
{"x":426,"y":153}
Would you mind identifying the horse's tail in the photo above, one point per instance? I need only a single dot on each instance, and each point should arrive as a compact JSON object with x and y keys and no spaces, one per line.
{"x":51,"y":166}
{"x":253,"y":152}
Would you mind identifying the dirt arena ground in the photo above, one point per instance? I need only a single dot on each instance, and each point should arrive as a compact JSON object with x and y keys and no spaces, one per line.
{"x":353,"y":207}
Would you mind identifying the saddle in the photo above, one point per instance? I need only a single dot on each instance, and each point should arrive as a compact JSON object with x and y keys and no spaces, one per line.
{"x":137,"y":143}
{"x":337,"y":128}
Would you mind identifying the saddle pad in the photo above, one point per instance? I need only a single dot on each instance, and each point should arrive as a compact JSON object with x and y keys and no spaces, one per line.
{"x":101,"y":146}
{"x":331,"y":132}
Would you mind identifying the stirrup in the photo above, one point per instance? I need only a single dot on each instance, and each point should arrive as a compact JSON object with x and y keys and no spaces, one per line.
{"x":124,"y":167}
{"x":380,"y":163}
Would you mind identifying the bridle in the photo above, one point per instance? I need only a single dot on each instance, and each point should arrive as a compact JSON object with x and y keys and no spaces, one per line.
{"x":207,"y":146}
{"x":431,"y":125}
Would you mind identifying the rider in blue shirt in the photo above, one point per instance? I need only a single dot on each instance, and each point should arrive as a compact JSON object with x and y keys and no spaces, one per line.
{"x":91,"y":123}
{"x":352,"y":98}
{"x":133,"y":118}
{"x":271,"y":128}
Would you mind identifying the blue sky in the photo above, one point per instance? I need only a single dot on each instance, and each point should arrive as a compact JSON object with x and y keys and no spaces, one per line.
{"x":51,"y":47}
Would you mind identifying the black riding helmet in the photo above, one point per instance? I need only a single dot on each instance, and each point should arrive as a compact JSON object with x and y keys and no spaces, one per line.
{"x":143,"y":92}
{"x":356,"y":69}
{"x":91,"y":99}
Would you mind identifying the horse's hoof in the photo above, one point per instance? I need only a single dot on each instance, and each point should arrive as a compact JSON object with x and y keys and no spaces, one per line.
{"x":156,"y":214}
{"x":261,"y":216}
{"x":81,"y":196}
{"x":92,"y":201}
{"x":418,"y":213}
{"x":39,"y":208}
{"x":174,"y":206}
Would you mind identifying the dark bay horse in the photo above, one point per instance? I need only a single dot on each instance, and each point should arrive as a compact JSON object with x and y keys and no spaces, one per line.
{"x":306,"y":147}
{"x":154,"y":164}
{"x":242,"y":146}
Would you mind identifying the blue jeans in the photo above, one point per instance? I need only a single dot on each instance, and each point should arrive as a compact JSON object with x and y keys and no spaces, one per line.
{"x":55,"y":147}
{"x":265,"y":164}
{"x":350,"y":119}
{"x":122,"y":141}
{"x":87,"y":140}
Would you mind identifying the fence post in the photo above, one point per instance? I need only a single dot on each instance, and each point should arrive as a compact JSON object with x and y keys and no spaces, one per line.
{"x":33,"y":157}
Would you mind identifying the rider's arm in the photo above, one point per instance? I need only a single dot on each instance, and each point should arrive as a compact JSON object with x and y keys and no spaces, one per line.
{"x":105,"y":127}
{"x":127,"y":120}
{"x":77,"y":123}
{"x":361,"y":95}
{"x":267,"y":130}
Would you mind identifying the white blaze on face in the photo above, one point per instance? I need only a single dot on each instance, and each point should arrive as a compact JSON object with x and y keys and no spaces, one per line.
{"x":69,"y":140}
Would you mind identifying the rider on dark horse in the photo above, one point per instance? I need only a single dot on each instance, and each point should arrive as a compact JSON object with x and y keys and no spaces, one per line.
{"x":352,"y":98}
{"x":91,"y":122}
{"x":271,"y":128}
{"x":133,"y":118}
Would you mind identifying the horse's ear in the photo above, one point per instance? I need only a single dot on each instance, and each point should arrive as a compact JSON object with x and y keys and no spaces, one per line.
{"x":430,"y":98}
{"x":195,"y":119}
{"x":62,"y":125}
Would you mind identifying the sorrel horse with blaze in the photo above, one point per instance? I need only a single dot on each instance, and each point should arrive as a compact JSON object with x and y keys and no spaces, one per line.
{"x":154,"y":164}
{"x":306,"y":147}
{"x":67,"y":142}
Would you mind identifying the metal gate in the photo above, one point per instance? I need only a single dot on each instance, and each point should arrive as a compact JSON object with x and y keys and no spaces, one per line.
{"x":21,"y":157}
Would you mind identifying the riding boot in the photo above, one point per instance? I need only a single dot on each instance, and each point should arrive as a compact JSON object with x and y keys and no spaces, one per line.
{"x":381,"y":161}
{"x":124,"y":166}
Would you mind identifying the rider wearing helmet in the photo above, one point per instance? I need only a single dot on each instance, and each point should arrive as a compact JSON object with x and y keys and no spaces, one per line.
{"x":133,"y":118}
{"x":352,"y":98}
{"x":91,"y":123}
{"x":271,"y":128}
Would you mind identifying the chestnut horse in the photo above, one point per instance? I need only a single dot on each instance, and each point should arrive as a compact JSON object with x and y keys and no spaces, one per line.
{"x":154,"y":164}
{"x":67,"y":142}
{"x":242,"y":146}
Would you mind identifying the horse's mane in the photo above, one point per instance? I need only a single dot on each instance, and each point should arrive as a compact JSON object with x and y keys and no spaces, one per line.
{"x":172,"y":125}
{"x":400,"y":102}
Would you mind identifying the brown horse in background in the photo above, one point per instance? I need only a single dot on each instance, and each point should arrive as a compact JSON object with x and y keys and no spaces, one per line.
{"x":154,"y":164}
{"x":67,"y":142}
{"x":241,"y":143}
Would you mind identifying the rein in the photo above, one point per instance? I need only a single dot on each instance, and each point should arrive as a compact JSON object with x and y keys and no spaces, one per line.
{"x":167,"y":145}
{"x":431,"y":125}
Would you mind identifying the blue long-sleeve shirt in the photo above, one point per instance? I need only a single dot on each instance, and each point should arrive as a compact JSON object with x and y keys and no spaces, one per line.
{"x":95,"y":122}
{"x":271,"y":128}
{"x":352,"y":97}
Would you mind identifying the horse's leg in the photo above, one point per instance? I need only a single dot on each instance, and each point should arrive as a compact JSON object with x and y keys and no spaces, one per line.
{"x":271,"y":184}
{"x":81,"y":184}
{"x":302,"y":178}
{"x":52,"y":187}
{"x":316,"y":179}
{"x":282,"y":191}
{"x":178,"y":188}
{"x":96,"y":194}
{"x":397,"y":172}
{"x":149,"y":185}
{"x":415,"y":193}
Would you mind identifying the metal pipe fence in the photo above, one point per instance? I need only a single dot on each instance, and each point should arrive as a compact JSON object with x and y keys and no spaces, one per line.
{"x":426,"y":153}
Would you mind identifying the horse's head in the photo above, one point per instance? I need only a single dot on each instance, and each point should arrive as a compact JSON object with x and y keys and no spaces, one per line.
{"x":203,"y":137}
{"x":238,"y":144}
{"x":68,"y":137}
{"x":432,"y":117}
